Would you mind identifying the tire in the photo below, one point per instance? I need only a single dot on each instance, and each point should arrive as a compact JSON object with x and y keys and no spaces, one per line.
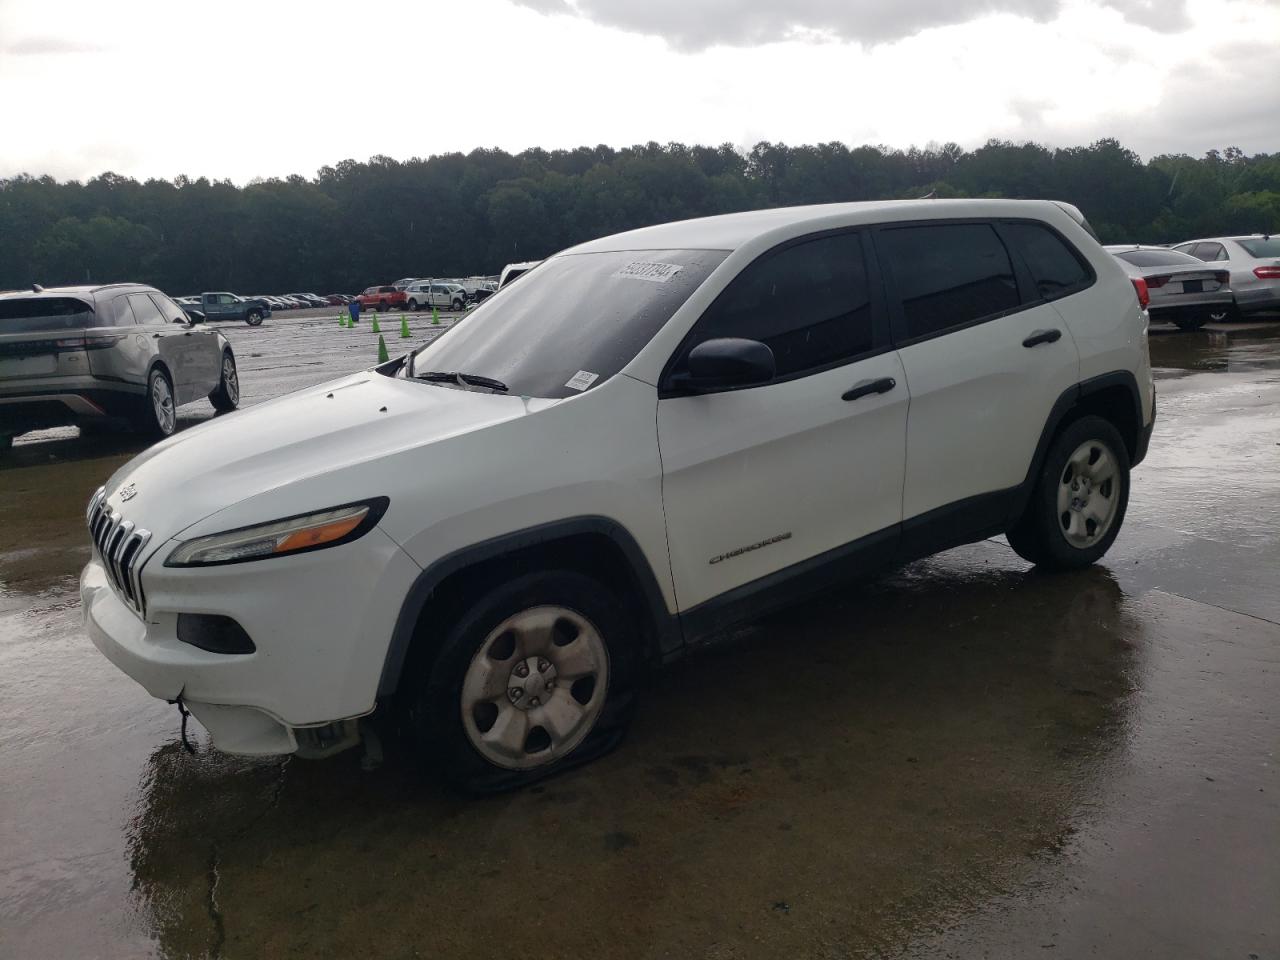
{"x":1190,"y":323}
{"x":382,"y":306}
{"x":413,"y":305}
{"x":156,"y":418}
{"x":226,"y":395}
{"x":254,"y":318}
{"x":457,"y":305}
{"x":1079,"y":455}
{"x":458,"y":698}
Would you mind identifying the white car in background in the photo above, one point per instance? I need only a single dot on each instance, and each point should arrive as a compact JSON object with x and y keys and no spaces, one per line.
{"x":425,"y":294}
{"x":651,"y":437}
{"x":1254,"y":265}
{"x":1181,"y":289}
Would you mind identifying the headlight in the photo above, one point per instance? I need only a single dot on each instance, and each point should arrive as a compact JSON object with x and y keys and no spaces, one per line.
{"x":312,"y":531}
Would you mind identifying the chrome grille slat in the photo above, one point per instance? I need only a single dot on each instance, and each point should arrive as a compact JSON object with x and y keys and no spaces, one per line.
{"x":119,"y":545}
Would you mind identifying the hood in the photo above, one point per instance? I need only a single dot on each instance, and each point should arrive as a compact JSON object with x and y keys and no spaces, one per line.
{"x":360,"y":418}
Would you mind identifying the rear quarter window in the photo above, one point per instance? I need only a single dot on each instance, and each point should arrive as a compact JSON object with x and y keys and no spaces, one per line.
{"x":1056,"y":268}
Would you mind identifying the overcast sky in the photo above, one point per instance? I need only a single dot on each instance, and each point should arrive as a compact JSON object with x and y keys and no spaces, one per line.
{"x":247,"y":88}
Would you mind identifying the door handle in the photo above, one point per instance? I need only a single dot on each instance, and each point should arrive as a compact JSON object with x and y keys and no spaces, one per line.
{"x":1042,"y":336}
{"x":866,"y":387}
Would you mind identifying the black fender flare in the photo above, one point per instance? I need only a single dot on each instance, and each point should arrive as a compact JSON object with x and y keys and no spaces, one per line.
{"x":666,"y":625}
{"x":1058,"y":413}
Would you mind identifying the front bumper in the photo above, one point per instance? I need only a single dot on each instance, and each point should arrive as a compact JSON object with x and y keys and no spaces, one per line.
{"x":321,"y":622}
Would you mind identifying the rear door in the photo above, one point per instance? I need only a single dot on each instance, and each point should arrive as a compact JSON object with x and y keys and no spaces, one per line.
{"x":986,"y":354}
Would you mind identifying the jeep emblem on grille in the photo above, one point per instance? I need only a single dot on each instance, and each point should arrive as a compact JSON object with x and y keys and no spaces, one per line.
{"x":128,"y":492}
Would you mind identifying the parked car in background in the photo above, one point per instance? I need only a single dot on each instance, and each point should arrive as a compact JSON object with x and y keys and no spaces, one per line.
{"x":1180,"y":289}
{"x":403,"y":282}
{"x":652,"y":437}
{"x":382,"y":298}
{"x":513,"y":270}
{"x":292,"y":302}
{"x":227,"y":306}
{"x":335,"y":299}
{"x":310,"y":299}
{"x":1254,"y":265}
{"x":425,"y":294}
{"x":484,"y":291}
{"x":97,"y":354}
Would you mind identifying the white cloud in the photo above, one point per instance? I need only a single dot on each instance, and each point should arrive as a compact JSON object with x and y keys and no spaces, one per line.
{"x":249,"y":89}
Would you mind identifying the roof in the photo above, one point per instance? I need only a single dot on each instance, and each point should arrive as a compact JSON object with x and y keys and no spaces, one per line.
{"x":83,"y":290}
{"x":732,"y":230}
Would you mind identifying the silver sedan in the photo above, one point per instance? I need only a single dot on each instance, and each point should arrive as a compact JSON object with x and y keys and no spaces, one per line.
{"x":1254,"y":265}
{"x":1183,"y":290}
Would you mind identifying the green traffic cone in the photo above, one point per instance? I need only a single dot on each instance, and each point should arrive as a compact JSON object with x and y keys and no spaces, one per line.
{"x":342,"y":320}
{"x":435,"y":316}
{"x":376,"y":328}
{"x":404,"y":328}
{"x":383,"y":356}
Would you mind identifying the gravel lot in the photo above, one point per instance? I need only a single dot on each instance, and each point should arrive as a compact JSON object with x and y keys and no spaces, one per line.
{"x":964,"y":759}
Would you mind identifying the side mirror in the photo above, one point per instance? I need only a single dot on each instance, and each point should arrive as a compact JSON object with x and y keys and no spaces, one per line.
{"x":727,"y":362}
{"x":193,"y":316}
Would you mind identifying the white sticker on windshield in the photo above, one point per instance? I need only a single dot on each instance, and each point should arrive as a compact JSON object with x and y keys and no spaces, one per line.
{"x":581,"y":380}
{"x":648,"y":270}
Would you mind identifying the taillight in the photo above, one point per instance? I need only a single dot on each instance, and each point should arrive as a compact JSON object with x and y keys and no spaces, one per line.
{"x":87,"y":343}
{"x":1222,"y":277}
{"x":1140,"y":287}
{"x":1154,"y":283}
{"x":1267,"y":273}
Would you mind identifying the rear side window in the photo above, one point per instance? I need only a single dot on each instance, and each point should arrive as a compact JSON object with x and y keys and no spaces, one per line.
{"x":144,"y":309}
{"x":1055,"y":268}
{"x":45,"y":314}
{"x":949,"y":275}
{"x":1210,"y":252}
{"x":809,"y":303}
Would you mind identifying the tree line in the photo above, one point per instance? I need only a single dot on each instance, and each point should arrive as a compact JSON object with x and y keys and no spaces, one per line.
{"x":359,"y":223}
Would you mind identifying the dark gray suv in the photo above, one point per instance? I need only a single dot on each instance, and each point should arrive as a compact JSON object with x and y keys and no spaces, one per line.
{"x":96,"y":354}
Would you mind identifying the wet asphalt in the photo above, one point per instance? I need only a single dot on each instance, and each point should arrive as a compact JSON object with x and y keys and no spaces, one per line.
{"x":963,"y":759}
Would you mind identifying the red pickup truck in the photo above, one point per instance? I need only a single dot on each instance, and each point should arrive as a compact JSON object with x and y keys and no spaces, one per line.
{"x":382,"y":298}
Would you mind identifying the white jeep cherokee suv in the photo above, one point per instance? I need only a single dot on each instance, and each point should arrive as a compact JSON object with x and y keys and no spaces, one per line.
{"x":650,"y":437}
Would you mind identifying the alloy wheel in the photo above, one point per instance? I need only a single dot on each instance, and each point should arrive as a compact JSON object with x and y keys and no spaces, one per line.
{"x":230,"y":379}
{"x":162,"y":404}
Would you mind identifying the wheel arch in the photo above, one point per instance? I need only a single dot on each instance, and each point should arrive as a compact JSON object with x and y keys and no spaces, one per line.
{"x":596,"y":546}
{"x":1113,"y":396}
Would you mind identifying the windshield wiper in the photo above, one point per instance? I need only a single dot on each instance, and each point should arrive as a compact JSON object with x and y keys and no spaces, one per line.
{"x":461,"y":379}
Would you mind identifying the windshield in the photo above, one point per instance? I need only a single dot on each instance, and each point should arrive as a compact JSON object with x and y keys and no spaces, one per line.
{"x":44,"y":314}
{"x":1158,"y":258}
{"x":1270,"y":247}
{"x":572,"y":323}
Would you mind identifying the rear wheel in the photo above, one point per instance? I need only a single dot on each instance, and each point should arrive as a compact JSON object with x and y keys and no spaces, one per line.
{"x":382,"y":306}
{"x":413,"y":305}
{"x":1190,"y":323}
{"x":1079,"y":500}
{"x":536,"y":677}
{"x":254,"y":318}
{"x":226,"y":395}
{"x":159,"y":413}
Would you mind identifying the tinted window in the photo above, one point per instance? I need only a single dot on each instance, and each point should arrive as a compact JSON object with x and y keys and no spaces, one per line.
{"x":1270,"y":247}
{"x":168,"y":309}
{"x":585,"y":313}
{"x":948,"y":275}
{"x":809,"y":303}
{"x":1210,"y":251}
{"x":1157,"y":258}
{"x":39,"y":314}
{"x":1054,"y":266}
{"x":144,"y":310}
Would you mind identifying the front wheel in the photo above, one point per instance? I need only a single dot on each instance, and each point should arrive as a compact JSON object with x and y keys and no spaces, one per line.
{"x":254,"y":318}
{"x":458,"y":305}
{"x":536,"y":677}
{"x":159,"y":414}
{"x":226,"y":395}
{"x":1079,"y":501}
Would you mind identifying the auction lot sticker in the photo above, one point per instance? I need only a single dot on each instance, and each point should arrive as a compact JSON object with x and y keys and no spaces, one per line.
{"x":582,"y":379}
{"x":648,"y":270}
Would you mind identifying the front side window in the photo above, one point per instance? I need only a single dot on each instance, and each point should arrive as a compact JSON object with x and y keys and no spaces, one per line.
{"x":948,"y":275}
{"x":579,"y":319}
{"x":144,"y":310}
{"x":1055,"y":268}
{"x":168,"y":309}
{"x":810,"y":303}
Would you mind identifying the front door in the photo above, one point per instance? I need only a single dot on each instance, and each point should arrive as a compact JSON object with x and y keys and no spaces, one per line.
{"x":758,"y":480}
